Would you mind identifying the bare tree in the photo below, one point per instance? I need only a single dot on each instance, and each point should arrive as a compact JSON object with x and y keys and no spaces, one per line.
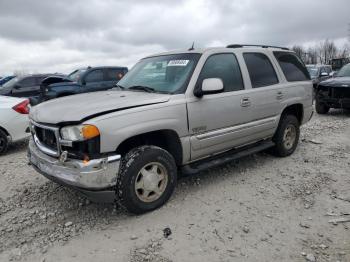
{"x":299,"y":50}
{"x":327,"y":50}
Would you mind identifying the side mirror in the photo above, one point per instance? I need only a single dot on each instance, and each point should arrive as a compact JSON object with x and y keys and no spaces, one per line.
{"x":209,"y":86}
{"x":324,"y":74}
{"x":83,"y":82}
{"x":17,"y":86}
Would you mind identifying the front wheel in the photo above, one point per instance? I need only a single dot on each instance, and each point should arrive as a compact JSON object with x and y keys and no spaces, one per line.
{"x":287,"y":135}
{"x":3,"y":142}
{"x":146,"y":180}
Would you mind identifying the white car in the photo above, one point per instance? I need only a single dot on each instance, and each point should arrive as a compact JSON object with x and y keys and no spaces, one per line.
{"x":14,"y":123}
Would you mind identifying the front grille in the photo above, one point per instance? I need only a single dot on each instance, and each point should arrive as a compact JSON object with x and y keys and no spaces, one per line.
{"x":46,"y":137}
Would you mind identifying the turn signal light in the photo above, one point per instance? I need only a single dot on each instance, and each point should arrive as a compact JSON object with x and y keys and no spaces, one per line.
{"x":90,"y":131}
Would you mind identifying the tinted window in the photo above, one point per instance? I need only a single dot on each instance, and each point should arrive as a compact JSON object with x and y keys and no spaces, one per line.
{"x":260,"y":70}
{"x":224,"y":66}
{"x":114,"y":74}
{"x":94,"y":76}
{"x":28,"y":81}
{"x":292,"y":67}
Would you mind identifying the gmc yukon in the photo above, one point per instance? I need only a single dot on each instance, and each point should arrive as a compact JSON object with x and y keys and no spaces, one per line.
{"x":172,"y":112}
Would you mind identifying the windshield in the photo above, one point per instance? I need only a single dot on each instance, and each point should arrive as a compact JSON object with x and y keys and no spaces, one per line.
{"x":75,"y":75}
{"x":313,"y":71}
{"x":163,"y":74}
{"x":344,"y":71}
{"x":10,"y":83}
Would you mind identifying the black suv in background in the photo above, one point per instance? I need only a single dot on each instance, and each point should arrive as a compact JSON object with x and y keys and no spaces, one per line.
{"x":24,"y":86}
{"x":83,"y":80}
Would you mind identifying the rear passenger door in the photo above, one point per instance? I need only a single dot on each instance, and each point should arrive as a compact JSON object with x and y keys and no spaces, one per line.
{"x":94,"y":81}
{"x":266,"y":93}
{"x":112,"y":76}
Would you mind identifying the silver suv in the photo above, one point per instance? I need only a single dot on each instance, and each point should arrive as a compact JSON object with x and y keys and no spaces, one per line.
{"x":173,"y":112}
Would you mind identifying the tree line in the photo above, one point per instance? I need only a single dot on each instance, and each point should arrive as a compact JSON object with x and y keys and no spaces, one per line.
{"x":322,"y":52}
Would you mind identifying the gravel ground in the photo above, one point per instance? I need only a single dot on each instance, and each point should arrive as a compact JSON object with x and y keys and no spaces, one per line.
{"x":260,"y":208}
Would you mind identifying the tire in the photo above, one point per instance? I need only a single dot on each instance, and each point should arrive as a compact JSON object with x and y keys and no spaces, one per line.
{"x":286,"y":137}
{"x":3,"y":142}
{"x":138,"y":190}
{"x":321,"y":108}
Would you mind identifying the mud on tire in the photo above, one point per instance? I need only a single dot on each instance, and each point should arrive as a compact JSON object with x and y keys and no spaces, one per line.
{"x":130,"y":169}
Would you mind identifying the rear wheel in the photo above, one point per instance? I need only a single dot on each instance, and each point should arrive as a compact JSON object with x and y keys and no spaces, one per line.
{"x":3,"y":142}
{"x":146,"y":180}
{"x":287,"y":136}
{"x":321,"y":108}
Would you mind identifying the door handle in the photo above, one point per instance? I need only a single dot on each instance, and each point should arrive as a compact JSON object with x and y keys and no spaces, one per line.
{"x":245,"y":102}
{"x":279,"y":95}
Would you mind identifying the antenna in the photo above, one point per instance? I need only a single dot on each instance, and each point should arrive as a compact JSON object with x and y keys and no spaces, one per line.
{"x":192,"y":47}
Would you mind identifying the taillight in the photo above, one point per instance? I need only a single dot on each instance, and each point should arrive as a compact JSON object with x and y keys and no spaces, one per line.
{"x":22,"y":108}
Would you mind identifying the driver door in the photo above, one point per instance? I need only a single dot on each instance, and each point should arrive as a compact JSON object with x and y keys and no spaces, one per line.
{"x":215,"y":119}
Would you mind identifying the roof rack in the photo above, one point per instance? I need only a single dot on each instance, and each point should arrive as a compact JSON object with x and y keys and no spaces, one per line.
{"x":263,"y":46}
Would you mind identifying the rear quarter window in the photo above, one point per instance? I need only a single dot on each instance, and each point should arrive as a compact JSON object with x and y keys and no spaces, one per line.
{"x":292,"y":67}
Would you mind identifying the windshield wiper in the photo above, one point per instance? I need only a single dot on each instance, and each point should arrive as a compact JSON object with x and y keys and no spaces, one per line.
{"x":143,"y":88}
{"x":121,"y":87}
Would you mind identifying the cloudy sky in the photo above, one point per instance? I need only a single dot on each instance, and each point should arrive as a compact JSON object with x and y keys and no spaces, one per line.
{"x":60,"y":35}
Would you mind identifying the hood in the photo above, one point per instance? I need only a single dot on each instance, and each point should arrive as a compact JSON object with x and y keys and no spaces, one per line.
{"x":337,"y":82}
{"x":78,"y":108}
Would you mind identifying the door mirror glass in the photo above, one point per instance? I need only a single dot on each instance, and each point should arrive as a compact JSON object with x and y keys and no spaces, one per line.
{"x":212,"y":85}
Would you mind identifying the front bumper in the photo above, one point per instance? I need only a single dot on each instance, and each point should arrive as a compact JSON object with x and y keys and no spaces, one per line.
{"x":95,"y":179}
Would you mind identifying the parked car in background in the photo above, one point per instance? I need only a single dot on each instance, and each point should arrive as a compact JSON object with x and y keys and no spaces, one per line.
{"x":84,"y":80}
{"x":187,"y":110}
{"x":14,"y":123}
{"x":334,"y":92}
{"x":319,"y":73}
{"x":23,"y":86}
{"x":338,"y":63}
{"x":5,"y":79}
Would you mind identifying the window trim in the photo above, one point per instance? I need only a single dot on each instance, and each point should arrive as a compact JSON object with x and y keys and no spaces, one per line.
{"x":198,"y":85}
{"x":271,"y":63}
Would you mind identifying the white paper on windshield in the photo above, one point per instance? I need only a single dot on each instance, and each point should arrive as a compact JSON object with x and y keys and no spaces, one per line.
{"x":178,"y":62}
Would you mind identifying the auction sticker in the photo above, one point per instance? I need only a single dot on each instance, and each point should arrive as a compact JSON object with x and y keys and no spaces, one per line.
{"x":178,"y":62}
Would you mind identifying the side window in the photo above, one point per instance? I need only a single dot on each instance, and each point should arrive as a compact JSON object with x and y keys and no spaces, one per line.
{"x":113,"y":74}
{"x":226,"y":67}
{"x":94,"y":76}
{"x":27,"y":82}
{"x":260,"y":70}
{"x":292,"y":67}
{"x":39,"y":79}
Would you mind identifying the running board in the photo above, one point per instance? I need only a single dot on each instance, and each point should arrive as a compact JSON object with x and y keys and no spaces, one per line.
{"x":226,"y":157}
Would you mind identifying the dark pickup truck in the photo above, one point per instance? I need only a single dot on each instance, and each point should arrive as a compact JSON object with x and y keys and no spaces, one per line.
{"x":84,"y":80}
{"x":334,"y":92}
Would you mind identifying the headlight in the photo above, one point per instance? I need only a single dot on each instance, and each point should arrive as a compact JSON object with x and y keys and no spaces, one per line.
{"x":79,"y":133}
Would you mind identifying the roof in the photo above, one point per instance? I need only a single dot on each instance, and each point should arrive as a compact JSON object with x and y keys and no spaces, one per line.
{"x":227,"y":48}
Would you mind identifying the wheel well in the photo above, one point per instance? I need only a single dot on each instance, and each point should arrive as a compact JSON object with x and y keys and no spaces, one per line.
{"x":4,"y":130}
{"x":296,"y":110}
{"x":166,"y":139}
